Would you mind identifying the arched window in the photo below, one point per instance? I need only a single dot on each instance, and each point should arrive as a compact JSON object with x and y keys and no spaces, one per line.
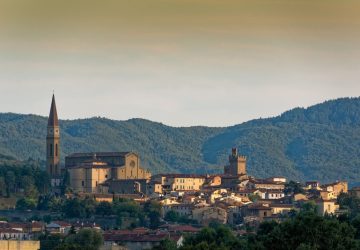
{"x":56,"y":150}
{"x":51,"y":170}
{"x":51,"y":149}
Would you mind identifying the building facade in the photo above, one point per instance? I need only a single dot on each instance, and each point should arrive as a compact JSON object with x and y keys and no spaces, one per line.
{"x":97,"y":172}
{"x":237,"y":164}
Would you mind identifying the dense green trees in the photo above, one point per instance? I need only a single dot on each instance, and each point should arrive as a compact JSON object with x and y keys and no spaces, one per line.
{"x":306,"y":230}
{"x":25,"y":178}
{"x":85,"y":239}
{"x":293,"y":187}
{"x":319,"y":143}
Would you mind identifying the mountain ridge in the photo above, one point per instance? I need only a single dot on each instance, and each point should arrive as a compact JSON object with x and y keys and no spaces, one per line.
{"x":319,"y":142}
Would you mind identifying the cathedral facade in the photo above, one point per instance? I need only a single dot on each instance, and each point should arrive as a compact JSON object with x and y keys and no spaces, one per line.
{"x":96,"y":172}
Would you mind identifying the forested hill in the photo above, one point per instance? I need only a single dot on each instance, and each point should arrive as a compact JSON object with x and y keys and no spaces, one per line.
{"x":321,"y":142}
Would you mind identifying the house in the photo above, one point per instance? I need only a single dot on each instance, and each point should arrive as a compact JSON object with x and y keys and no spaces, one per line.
{"x":64,"y":226}
{"x":300,"y":197}
{"x":13,"y":234}
{"x":281,"y":208}
{"x":327,"y":206}
{"x":278,"y":179}
{"x":327,"y":195}
{"x":213,"y":181}
{"x":234,"y":182}
{"x":337,"y":187}
{"x":252,"y":192}
{"x":53,"y":228}
{"x":205,"y":215}
{"x":182,"y":209}
{"x":216,"y":194}
{"x":179,"y":182}
{"x":274,"y":194}
{"x":259,"y":210}
{"x":312,"y":185}
{"x":265,"y":184}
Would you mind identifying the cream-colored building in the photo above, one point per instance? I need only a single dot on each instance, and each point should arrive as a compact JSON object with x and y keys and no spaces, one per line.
{"x":337,"y":187}
{"x":179,"y":182}
{"x":19,"y":244}
{"x":327,"y":206}
{"x":326,"y":195}
{"x":281,"y":208}
{"x":88,"y":176}
{"x":89,"y":171}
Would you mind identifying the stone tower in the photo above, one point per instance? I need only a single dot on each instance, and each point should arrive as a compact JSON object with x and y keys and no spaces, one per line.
{"x":53,"y":146}
{"x":237,"y":164}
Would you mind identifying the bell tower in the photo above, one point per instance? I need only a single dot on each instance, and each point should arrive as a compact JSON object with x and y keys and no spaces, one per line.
{"x":53,"y":146}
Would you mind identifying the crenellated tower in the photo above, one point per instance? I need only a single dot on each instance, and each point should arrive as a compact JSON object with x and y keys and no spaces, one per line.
{"x":237,"y":164}
{"x":53,"y":146}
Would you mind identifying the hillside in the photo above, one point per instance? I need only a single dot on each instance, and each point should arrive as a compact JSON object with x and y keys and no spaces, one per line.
{"x":320,"y":142}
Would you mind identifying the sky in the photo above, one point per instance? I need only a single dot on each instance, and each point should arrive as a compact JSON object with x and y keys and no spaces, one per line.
{"x":179,"y":62}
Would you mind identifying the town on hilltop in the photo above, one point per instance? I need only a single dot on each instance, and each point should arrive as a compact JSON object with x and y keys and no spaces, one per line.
{"x":113,"y":195}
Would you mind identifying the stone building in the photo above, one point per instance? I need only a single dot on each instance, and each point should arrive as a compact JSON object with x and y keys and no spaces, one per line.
{"x":237,"y":164}
{"x":96,"y":172}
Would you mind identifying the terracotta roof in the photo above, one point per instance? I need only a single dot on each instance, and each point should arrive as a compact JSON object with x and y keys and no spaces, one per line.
{"x":53,"y":117}
{"x":9,"y":230}
{"x":262,"y":181}
{"x":18,"y":225}
{"x":181,"y":228}
{"x":62,"y":223}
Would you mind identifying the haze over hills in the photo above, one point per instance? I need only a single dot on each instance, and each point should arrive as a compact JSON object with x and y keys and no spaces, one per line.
{"x":321,"y":142}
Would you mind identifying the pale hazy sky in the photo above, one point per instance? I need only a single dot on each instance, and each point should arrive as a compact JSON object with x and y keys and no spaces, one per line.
{"x":180,"y":62}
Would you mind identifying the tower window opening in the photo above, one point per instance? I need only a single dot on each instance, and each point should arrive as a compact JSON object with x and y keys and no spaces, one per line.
{"x":51,"y":149}
{"x":56,"y":150}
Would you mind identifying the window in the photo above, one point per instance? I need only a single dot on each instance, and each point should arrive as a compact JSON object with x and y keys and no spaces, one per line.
{"x":265,"y":214}
{"x":51,"y":149}
{"x":56,"y":150}
{"x":96,"y":183}
{"x":82,"y":183}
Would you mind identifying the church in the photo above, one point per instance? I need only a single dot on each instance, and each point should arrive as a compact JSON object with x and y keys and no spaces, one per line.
{"x":94,"y":172}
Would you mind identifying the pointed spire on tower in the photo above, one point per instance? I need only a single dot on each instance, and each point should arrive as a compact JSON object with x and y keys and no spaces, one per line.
{"x":53,"y":117}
